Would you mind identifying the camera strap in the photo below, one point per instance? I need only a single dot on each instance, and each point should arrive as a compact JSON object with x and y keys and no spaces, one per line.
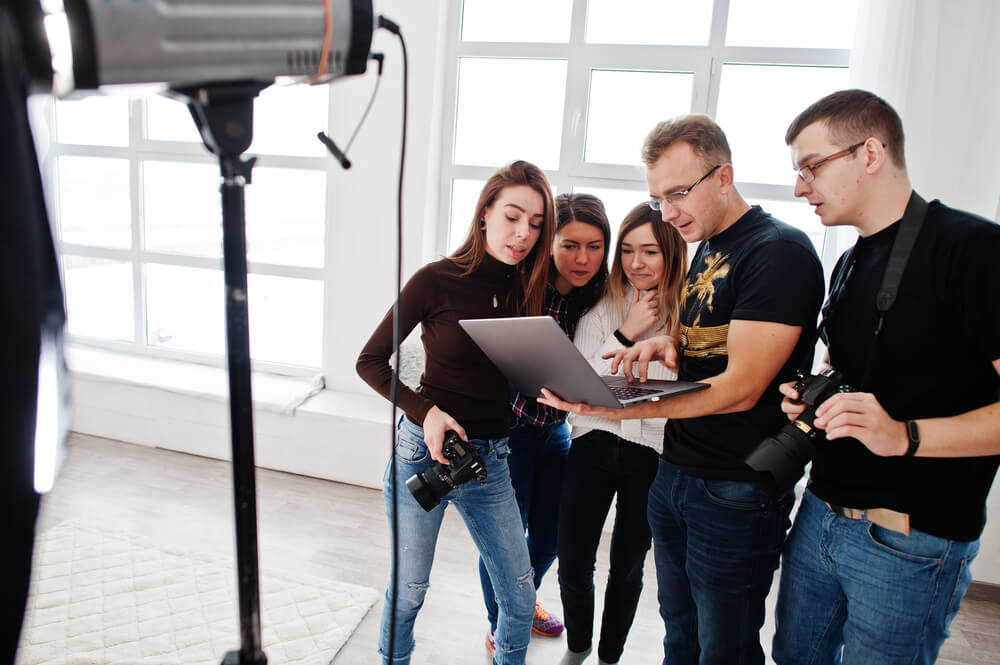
{"x":902,"y":246}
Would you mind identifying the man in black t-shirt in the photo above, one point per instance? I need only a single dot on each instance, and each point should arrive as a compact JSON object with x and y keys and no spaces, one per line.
{"x":878,"y":559}
{"x":747,"y":319}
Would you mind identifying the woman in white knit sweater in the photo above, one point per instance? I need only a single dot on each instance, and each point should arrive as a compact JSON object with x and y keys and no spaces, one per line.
{"x":610,"y":458}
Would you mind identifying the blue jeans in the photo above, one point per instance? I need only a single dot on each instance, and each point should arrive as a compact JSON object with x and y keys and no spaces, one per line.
{"x":716,"y":544}
{"x":537,"y":465}
{"x":490,"y":513}
{"x":882,"y":596}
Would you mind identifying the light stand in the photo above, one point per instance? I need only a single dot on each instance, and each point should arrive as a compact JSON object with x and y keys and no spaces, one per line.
{"x":223,"y":113}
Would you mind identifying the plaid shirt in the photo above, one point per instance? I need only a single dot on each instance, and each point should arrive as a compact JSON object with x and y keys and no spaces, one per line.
{"x":525,"y":410}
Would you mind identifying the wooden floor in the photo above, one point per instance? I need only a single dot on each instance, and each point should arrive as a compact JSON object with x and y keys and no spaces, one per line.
{"x":339,"y":531}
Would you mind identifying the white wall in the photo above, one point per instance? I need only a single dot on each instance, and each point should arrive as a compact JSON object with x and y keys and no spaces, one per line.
{"x":361,"y":222}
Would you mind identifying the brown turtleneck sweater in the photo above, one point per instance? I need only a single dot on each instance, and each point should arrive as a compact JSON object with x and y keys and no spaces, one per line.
{"x":458,"y":378}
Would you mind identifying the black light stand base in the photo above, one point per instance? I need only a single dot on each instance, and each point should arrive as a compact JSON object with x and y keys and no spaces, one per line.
{"x":223,"y":113}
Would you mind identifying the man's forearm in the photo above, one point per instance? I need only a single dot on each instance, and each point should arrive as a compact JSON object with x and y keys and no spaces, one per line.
{"x":972,"y":434}
{"x":727,"y":395}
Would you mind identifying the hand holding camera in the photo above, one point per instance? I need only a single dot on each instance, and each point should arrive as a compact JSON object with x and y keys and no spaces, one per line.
{"x":783,"y":457}
{"x":464,"y":463}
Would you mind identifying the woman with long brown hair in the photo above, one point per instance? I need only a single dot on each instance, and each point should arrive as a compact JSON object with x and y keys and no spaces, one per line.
{"x":500,"y":270}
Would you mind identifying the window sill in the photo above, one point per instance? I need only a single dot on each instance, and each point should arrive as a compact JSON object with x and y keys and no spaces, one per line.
{"x":271,"y":392}
{"x":299,"y":427}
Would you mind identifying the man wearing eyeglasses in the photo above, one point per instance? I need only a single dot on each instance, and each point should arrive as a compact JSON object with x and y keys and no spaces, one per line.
{"x":747,"y":318}
{"x":878,"y":559}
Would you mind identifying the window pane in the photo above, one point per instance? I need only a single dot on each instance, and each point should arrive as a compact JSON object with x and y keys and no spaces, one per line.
{"x":616,"y":127}
{"x":185,"y":308}
{"x":756,"y":131}
{"x":168,"y":119}
{"x":287,"y":118}
{"x":680,"y":22}
{"x":799,"y":214}
{"x":285,"y":210}
{"x":510,"y":109}
{"x":93,"y":200}
{"x":93,"y":120}
{"x":617,"y":203}
{"x":182,"y":208}
{"x":792,"y":23}
{"x":187,"y":312}
{"x":99,"y":298}
{"x":464,"y":196}
{"x":286,"y":319}
{"x":516,"y":20}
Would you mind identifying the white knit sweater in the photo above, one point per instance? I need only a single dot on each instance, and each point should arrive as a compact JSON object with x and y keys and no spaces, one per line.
{"x":595,"y":337}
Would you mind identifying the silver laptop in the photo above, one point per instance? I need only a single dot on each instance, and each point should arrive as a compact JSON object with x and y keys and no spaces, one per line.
{"x":533,"y":352}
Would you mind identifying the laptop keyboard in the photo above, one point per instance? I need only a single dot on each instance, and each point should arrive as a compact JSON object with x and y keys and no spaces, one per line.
{"x":631,"y":392}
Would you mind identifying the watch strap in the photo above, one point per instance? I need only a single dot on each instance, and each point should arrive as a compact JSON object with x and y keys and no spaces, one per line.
{"x":623,"y":339}
{"x":912,"y":438}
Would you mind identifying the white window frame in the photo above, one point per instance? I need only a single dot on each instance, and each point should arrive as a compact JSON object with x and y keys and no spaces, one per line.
{"x":705,"y":62}
{"x":142,"y":149}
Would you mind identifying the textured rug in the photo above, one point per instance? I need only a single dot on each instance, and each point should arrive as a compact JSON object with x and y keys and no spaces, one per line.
{"x":112,"y":598}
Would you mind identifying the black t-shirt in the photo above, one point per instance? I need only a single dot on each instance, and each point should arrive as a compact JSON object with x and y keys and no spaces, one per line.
{"x":759,"y":269}
{"x":933,"y":359}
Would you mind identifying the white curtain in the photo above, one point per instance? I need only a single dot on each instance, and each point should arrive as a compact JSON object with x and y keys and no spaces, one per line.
{"x":938,"y":63}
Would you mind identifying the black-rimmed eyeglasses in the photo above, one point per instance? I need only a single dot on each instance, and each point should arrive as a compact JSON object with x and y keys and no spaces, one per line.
{"x":808,"y":172}
{"x":677,"y":197}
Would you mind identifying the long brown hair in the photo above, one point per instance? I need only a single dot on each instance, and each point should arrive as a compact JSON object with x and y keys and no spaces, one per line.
{"x":528,"y":296}
{"x":674,"y":249}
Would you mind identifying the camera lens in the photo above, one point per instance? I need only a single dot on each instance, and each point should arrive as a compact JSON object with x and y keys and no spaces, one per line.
{"x":781,"y":459}
{"x":429,"y":486}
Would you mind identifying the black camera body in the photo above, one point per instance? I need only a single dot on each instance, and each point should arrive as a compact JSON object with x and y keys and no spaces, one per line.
{"x":428,"y":487}
{"x":783,"y":457}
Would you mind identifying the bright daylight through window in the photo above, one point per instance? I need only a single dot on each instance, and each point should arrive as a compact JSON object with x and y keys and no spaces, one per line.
{"x":579,"y":84}
{"x":138,"y":216}
{"x":572,"y":85}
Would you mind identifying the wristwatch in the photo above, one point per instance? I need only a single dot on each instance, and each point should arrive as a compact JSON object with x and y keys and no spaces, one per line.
{"x":912,"y":437}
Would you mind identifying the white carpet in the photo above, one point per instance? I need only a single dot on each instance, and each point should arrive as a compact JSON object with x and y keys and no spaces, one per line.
{"x":113,"y":598}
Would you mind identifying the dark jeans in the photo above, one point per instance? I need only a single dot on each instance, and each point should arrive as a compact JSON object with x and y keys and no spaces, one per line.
{"x":537,"y":464}
{"x":716,"y":544}
{"x":601,"y":466}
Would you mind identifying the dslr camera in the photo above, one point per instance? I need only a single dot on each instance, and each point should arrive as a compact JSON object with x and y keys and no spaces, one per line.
{"x":427,"y":487}
{"x":783,"y":457}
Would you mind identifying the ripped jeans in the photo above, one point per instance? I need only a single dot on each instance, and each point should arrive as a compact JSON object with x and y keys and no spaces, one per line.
{"x":492,"y":517}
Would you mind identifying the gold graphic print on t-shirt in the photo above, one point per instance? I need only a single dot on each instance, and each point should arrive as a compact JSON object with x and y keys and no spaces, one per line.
{"x":699,"y":341}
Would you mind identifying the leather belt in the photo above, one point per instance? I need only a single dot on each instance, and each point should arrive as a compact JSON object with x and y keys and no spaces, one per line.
{"x":884,"y":517}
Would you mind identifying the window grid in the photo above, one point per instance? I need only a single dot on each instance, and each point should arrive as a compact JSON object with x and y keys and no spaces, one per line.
{"x":704,"y":62}
{"x":140,"y":150}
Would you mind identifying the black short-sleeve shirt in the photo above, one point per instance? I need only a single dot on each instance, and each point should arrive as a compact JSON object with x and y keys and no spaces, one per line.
{"x":759,"y":269}
{"x":934,"y":358}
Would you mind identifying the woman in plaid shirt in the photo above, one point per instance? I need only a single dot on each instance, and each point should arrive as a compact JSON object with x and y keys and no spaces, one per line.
{"x":539,"y":435}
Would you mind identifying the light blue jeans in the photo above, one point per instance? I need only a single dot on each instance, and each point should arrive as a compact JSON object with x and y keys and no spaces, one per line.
{"x":492,"y":517}
{"x":878,"y":596}
{"x":537,"y":465}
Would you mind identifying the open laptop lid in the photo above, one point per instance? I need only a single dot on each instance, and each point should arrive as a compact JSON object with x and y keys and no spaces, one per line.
{"x":533,"y":352}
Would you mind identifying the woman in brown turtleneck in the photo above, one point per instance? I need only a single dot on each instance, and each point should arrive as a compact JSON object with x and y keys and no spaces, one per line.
{"x":500,"y":270}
